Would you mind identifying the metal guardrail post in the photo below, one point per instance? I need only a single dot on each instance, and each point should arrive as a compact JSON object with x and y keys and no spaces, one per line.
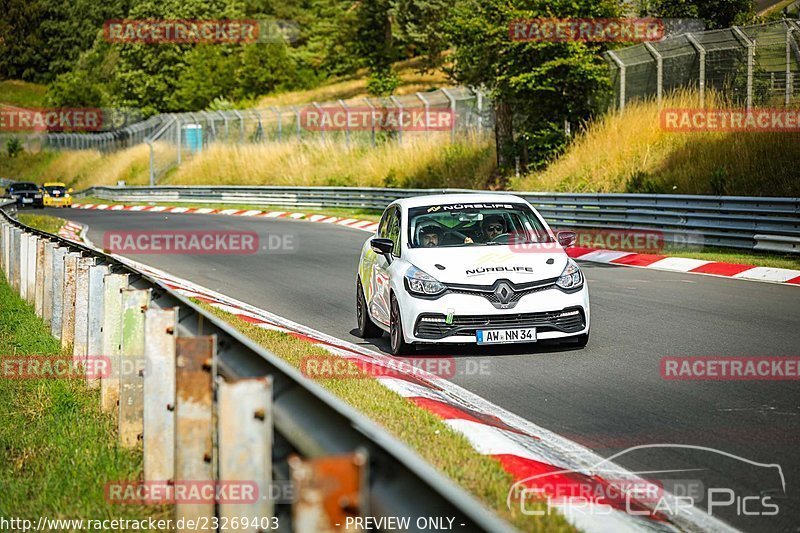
{"x":347,"y":120}
{"x":178,"y":138}
{"x":131,"y":379}
{"x":80,"y":335}
{"x":789,"y":77}
{"x":33,"y":245}
{"x":23,"y":265}
{"x":244,"y":424}
{"x":751,"y":56}
{"x":280,"y":122}
{"x":68,"y":305}
{"x":328,"y":490}
{"x":15,"y":246}
{"x":622,"y":82}
{"x":427,"y":111}
{"x":396,"y":102}
{"x":701,"y":51}
{"x":94,"y":321}
{"x":453,"y":113}
{"x":38,"y":297}
{"x":372,"y":119}
{"x":47,"y":295}
{"x":193,"y":420}
{"x":159,"y":393}
{"x":659,"y":69}
{"x":113,"y":285}
{"x":59,"y":263}
{"x":241,"y":125}
{"x":225,"y":123}
{"x":297,"y":121}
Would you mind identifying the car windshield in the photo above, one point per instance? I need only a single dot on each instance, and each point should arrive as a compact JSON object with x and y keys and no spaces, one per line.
{"x":24,"y":187}
{"x":56,"y":189}
{"x":479,"y":224}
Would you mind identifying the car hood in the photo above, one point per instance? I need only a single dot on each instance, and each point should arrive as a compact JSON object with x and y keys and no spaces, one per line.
{"x":483,"y":265}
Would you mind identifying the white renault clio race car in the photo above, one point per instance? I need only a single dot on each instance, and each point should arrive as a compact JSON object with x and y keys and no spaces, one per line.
{"x":469,"y":268}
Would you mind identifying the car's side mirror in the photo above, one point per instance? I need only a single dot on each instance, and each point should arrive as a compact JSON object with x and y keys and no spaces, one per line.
{"x":69,"y":190}
{"x":382,"y":246}
{"x":566,"y":238}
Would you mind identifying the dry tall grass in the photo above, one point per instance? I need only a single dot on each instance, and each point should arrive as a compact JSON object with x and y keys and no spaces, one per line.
{"x":420,"y":162}
{"x":630,"y":152}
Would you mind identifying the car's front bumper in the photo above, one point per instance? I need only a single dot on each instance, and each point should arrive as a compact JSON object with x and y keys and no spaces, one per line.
{"x":554,"y":313}
{"x":58,"y":202}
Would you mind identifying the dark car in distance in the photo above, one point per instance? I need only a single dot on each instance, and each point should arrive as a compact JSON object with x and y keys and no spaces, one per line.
{"x":26,"y":194}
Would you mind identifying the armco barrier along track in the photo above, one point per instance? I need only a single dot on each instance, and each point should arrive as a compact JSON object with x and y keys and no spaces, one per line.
{"x":195,"y":365}
{"x":728,"y":221}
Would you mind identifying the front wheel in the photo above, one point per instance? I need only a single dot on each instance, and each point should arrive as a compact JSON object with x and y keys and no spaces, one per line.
{"x":366,"y":327}
{"x":399,"y":346}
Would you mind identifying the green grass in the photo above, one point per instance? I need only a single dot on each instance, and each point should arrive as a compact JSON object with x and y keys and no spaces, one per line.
{"x":22,"y":93}
{"x":58,"y":449}
{"x":42,"y":222}
{"x":448,"y":451}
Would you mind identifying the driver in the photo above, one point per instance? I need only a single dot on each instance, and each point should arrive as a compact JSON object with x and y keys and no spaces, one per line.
{"x":430,"y":236}
{"x":491,"y":227}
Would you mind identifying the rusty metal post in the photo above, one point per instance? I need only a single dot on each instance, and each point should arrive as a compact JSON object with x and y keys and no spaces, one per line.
{"x":59,"y":261}
{"x":68,"y":305}
{"x":47,"y":282}
{"x":193,"y":419}
{"x":94,"y":320}
{"x":131,"y":379}
{"x":16,"y":260}
{"x":244,"y":432}
{"x":328,"y":490}
{"x":113,"y":284}
{"x":38,"y":295}
{"x":81,"y":330}
{"x":159,"y":394}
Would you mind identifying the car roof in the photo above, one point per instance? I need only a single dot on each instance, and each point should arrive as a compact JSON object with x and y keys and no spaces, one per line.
{"x":54,"y":184}
{"x":457,"y":198}
{"x":23,"y":183}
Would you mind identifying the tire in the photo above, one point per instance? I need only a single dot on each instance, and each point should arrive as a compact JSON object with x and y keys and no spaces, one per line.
{"x":366,"y":327}
{"x":582,"y":340}
{"x":398,"y":344}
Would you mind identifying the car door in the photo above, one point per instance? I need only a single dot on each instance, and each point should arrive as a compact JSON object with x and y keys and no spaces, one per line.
{"x":379,"y":305}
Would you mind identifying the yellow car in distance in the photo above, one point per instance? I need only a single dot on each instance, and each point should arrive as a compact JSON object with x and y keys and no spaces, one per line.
{"x":56,"y":194}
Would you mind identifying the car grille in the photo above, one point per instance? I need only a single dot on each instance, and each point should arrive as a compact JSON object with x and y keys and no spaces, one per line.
{"x":488,"y":291}
{"x":565,"y":321}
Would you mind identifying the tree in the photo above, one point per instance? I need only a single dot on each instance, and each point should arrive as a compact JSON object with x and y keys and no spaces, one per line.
{"x":715,"y":13}
{"x":535,"y":87}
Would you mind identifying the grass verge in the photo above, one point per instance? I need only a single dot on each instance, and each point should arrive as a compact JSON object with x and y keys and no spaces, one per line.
{"x":22,"y":93}
{"x":448,"y":451}
{"x":58,"y":449}
{"x":46,"y":223}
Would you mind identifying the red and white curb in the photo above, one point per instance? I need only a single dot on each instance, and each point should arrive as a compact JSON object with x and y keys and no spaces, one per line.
{"x":72,"y":231}
{"x":366,"y":225}
{"x":523,"y":448}
{"x":612,"y":257}
{"x":686,"y":265}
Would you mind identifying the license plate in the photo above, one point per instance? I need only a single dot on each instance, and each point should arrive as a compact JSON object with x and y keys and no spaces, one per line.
{"x":504,"y":336}
{"x":27,"y":200}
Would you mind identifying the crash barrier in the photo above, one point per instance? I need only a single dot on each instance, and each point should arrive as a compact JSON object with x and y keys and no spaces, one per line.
{"x":756,"y":223}
{"x":208,"y":405}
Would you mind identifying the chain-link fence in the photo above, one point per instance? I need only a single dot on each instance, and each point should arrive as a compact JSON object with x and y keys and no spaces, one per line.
{"x":173,"y":138}
{"x":749,"y":65}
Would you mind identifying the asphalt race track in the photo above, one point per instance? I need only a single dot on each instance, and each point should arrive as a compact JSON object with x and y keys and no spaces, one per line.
{"x":609,"y":396}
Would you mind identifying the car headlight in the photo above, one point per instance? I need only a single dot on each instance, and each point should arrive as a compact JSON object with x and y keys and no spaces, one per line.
{"x":571,"y":277}
{"x":420,"y":282}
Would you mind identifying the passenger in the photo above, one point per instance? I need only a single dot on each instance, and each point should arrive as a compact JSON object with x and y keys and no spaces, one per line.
{"x":491,"y":227}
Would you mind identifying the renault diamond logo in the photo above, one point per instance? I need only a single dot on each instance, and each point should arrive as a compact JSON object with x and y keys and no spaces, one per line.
{"x":504,"y":292}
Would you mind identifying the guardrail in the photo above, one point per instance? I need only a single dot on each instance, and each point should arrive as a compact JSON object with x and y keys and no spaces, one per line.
{"x":756,"y":223}
{"x":211,"y":406}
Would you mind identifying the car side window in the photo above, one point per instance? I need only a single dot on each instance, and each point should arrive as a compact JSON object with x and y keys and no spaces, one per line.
{"x":382,"y":225}
{"x":393,"y":231}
